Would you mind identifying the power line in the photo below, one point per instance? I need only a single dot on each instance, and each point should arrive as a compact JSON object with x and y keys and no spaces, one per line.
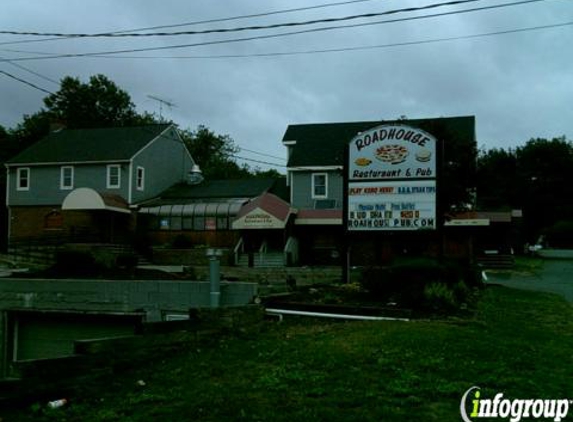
{"x":39,"y":75}
{"x":356,"y":48}
{"x":25,"y":82}
{"x":260,"y":37}
{"x":240,"y":29}
{"x":262,"y":154}
{"x":258,"y":161}
{"x":226,"y":19}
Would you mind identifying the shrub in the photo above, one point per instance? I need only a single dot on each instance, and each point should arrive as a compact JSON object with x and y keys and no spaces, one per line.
{"x":439,"y":297}
{"x":407,"y":283}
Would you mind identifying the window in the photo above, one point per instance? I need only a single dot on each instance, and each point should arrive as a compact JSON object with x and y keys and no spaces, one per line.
{"x":23,"y":179}
{"x":140,"y":178}
{"x":319,"y":185}
{"x":113,"y":176}
{"x":66,"y":177}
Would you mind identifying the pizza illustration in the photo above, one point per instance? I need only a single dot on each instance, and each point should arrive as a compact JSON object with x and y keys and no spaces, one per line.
{"x":362,"y":162}
{"x":393,"y":154}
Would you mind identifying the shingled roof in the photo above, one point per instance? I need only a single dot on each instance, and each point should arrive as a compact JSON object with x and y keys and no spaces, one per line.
{"x":322,"y":144}
{"x":89,"y":145}
{"x":183,"y":193}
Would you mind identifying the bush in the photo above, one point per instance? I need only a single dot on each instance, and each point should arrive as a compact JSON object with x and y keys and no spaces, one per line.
{"x":419,"y":283}
{"x":438,"y":297}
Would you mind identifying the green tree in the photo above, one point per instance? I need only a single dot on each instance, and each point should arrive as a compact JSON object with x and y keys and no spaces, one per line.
{"x":497,"y":180}
{"x":543,"y":168}
{"x":214,"y":154}
{"x":98,"y":103}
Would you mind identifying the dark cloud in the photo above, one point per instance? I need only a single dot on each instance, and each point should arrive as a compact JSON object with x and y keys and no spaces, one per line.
{"x":517,"y":85}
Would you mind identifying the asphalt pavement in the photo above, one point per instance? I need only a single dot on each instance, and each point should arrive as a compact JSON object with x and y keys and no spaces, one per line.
{"x":555,"y":276}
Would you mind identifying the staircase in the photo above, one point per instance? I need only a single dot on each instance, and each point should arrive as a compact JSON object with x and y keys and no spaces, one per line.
{"x":263,"y":260}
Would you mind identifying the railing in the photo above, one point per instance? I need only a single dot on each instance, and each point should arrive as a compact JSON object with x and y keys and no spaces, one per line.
{"x":238,"y":250}
{"x":291,"y":251}
{"x":262,"y":251}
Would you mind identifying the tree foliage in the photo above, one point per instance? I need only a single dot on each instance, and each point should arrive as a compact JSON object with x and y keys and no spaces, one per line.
{"x":97,"y":103}
{"x":533,"y":177}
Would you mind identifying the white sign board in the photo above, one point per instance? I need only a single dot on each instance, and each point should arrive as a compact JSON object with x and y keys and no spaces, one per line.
{"x":398,"y":205}
{"x":392,"y":180}
{"x":392,"y":152}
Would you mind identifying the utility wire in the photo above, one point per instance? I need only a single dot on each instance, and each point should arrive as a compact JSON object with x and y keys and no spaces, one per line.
{"x":200,"y":22}
{"x":258,"y":161}
{"x":25,"y":82}
{"x":39,"y":75}
{"x":260,"y":153}
{"x":241,"y":29}
{"x":236,"y":40}
{"x":356,"y":48}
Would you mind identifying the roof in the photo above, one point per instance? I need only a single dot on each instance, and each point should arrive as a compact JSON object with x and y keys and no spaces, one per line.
{"x":269,"y":203}
{"x":322,"y":144}
{"x":89,"y":145}
{"x":184,"y":193}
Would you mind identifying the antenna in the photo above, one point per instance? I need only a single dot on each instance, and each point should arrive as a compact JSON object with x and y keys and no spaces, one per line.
{"x":161,"y":102}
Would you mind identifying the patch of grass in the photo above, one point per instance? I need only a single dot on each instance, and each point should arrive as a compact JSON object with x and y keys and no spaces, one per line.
{"x":518,"y":343}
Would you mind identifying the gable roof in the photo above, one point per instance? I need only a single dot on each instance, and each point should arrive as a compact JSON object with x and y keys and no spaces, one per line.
{"x":269,"y":203}
{"x":322,"y":144}
{"x":89,"y":145}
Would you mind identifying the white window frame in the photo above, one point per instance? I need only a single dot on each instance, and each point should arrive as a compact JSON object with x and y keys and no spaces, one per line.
{"x":109,"y":185}
{"x":140,"y":178}
{"x":20,"y":177}
{"x":314,"y":195}
{"x":63,"y":186}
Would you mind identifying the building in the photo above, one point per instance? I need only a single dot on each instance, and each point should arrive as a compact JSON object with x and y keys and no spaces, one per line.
{"x":83,"y":184}
{"x":316,"y":158}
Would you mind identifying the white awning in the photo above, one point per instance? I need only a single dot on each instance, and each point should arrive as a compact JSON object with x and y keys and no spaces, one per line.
{"x":85,"y":199}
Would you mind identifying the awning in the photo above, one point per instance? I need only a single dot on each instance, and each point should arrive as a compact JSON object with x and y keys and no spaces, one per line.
{"x":267,"y":211}
{"x":228,"y":208}
{"x":85,"y":199}
{"x":319,"y":218}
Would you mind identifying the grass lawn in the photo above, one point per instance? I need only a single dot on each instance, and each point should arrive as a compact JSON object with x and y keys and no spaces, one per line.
{"x":518,"y":343}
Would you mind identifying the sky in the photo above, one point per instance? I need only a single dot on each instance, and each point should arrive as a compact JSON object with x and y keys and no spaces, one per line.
{"x":517,"y":83}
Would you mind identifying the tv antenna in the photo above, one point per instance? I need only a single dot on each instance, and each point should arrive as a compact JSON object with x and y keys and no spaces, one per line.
{"x":162,"y":102}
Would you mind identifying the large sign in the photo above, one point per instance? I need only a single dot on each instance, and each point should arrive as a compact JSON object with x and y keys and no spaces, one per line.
{"x":392,"y":152}
{"x":392,"y":180}
{"x":399,"y":205}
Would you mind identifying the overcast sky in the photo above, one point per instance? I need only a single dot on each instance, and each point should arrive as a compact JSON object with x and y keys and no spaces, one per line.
{"x":518,"y":85}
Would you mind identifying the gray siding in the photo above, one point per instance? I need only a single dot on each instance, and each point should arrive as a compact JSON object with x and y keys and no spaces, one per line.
{"x":45,"y":183}
{"x":166,"y":162}
{"x":302,"y":188}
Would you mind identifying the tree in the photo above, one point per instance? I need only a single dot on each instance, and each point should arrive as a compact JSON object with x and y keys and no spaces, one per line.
{"x":543,"y":168}
{"x":497,"y":180}
{"x":98,"y":103}
{"x":215,"y":154}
